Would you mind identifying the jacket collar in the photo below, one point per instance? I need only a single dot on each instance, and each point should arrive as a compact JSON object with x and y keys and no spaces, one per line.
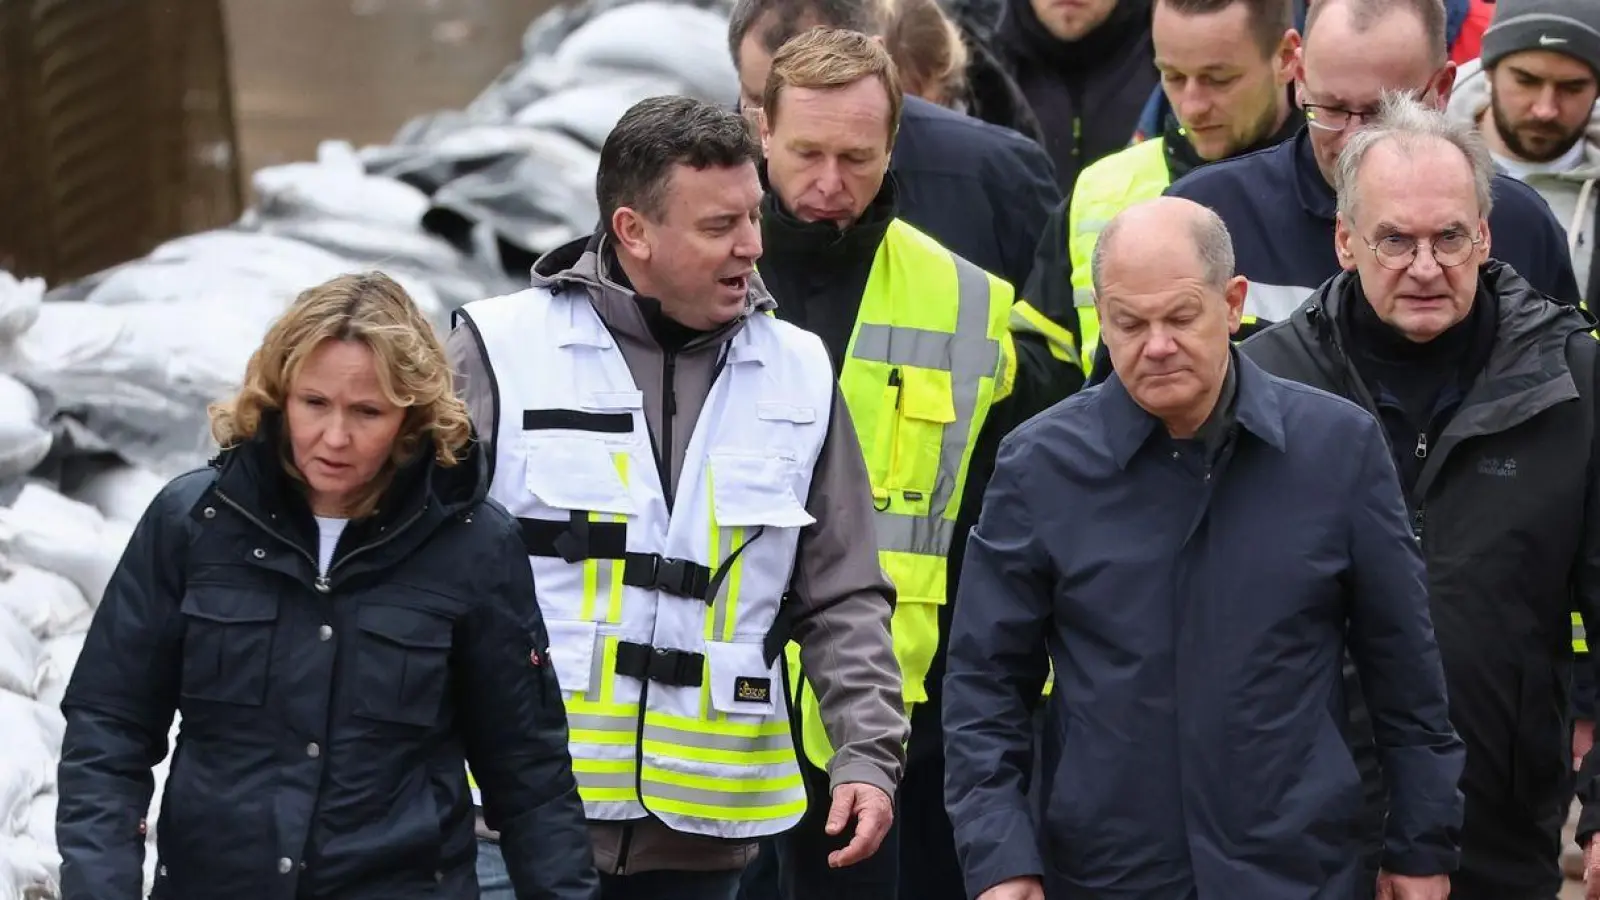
{"x":1316,"y":196}
{"x":251,"y":475}
{"x":1256,"y":409}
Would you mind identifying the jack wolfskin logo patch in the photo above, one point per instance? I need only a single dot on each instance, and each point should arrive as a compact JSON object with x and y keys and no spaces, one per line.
{"x":752,"y":690}
{"x":1498,"y":467}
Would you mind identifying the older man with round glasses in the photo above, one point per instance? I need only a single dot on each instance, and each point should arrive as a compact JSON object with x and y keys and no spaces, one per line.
{"x":1485,"y":388}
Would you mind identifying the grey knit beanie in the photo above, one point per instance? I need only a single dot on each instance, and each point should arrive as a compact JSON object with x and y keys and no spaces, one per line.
{"x":1571,"y":27}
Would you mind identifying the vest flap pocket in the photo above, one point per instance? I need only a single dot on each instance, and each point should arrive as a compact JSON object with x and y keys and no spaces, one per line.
{"x":574,"y":473}
{"x":749,"y":490}
{"x":572,"y":654}
{"x":406,"y":627}
{"x":926,"y":395}
{"x":741,"y":681}
{"x":617,"y":400}
{"x":773,"y":411}
{"x":227,"y":643}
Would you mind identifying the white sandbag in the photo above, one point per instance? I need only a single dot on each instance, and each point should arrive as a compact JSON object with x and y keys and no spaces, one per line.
{"x":591,"y":109}
{"x":61,"y":657}
{"x":46,"y":603}
{"x":24,"y":441}
{"x":681,"y":42}
{"x":120,"y":492}
{"x":22,"y":659}
{"x":19,"y":304}
{"x":28,"y":766}
{"x":42,"y":819}
{"x":142,"y":373}
{"x":336,"y":186}
{"x":28,"y":870}
{"x":45,"y":529}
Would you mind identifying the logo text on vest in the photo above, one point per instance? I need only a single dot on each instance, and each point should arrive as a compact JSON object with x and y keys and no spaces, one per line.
{"x":752,"y":690}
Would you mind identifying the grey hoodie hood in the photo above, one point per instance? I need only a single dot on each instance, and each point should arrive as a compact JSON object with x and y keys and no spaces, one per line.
{"x":1470,"y":98}
{"x":588,"y":263}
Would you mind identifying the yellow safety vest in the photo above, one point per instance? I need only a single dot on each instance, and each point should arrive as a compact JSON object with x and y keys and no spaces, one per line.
{"x":929,"y":356}
{"x":1107,"y":187}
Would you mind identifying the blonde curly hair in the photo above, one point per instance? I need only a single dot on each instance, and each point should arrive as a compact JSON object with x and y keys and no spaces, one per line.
{"x":412,"y":372}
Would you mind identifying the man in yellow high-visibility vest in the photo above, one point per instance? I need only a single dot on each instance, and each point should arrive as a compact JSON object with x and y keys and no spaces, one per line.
{"x":927,"y":364}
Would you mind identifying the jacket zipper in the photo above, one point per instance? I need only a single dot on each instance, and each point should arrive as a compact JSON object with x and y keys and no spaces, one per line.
{"x":323,"y":582}
{"x":267,"y":528}
{"x":1422,"y":445}
{"x":669,"y":411}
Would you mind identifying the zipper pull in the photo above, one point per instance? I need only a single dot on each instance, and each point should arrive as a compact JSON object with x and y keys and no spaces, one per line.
{"x":323,"y":585}
{"x":1422,"y":445}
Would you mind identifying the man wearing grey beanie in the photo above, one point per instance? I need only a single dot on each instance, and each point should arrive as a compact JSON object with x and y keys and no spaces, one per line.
{"x":1533,"y":95}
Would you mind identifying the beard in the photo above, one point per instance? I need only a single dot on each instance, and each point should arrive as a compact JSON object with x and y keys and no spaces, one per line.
{"x":1536,"y":142}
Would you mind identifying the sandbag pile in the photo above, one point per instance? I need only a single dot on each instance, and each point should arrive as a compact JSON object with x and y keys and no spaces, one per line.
{"x":104,"y":382}
{"x":56,"y":555}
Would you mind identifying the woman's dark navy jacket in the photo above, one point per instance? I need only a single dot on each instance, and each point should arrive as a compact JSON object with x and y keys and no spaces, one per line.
{"x":325,"y":725}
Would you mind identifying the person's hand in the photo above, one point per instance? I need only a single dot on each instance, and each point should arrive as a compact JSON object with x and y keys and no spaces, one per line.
{"x":1025,"y":888}
{"x":1582,"y":740}
{"x":1413,"y":887}
{"x":873,"y":812}
{"x":1591,"y":870}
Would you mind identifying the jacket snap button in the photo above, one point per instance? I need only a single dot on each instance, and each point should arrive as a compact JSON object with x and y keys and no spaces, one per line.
{"x":313,"y":751}
{"x":209,"y":512}
{"x":284,"y":865}
{"x":325,"y":633}
{"x":259,"y":553}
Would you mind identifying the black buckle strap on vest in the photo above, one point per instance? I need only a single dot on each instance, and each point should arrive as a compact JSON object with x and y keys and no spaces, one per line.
{"x":782,"y":627}
{"x":678,"y":668}
{"x":655,"y":572}
{"x":576,"y":539}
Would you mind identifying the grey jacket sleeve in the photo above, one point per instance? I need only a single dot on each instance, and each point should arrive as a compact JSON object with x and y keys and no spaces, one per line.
{"x":474,"y":384}
{"x":842,"y":624}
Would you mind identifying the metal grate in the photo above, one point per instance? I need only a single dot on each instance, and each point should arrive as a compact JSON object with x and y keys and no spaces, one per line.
{"x":116,"y":130}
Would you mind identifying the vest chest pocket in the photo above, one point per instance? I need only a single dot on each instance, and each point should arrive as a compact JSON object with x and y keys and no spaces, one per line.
{"x":741,"y":681}
{"x":575,"y":473}
{"x":402,"y":664}
{"x":917,"y":410}
{"x":227,"y":643}
{"x":572,"y":654}
{"x":748,"y":489}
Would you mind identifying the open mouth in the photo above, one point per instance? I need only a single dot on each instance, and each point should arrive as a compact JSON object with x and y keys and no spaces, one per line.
{"x":737,"y":282}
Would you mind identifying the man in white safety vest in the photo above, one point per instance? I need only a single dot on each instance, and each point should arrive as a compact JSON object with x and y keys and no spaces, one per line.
{"x":692,"y":495}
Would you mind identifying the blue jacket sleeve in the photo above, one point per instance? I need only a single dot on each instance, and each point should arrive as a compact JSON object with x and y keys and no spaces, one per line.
{"x":515,"y":732}
{"x":1022,"y":212}
{"x":1393,"y":646}
{"x":993,"y":675}
{"x":119,"y":706}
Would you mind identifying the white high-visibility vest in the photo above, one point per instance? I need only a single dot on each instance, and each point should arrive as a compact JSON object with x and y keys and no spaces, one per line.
{"x":658,"y":620}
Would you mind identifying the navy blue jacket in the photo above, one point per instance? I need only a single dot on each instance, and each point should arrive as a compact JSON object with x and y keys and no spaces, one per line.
{"x":982,"y":191}
{"x":326,"y":723}
{"x":1196,"y":612}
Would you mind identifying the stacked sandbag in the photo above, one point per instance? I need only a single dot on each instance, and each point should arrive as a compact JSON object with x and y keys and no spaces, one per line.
{"x":57,"y":554}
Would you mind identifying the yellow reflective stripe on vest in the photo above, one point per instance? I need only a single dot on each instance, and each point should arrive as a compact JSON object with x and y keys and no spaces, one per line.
{"x":1106,"y":187}
{"x":931,"y":353}
{"x":1025,"y":319}
{"x":1580,"y":635}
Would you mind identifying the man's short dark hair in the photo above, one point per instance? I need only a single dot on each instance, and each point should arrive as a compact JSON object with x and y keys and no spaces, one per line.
{"x":1269,"y":19}
{"x":785,"y":19}
{"x":655,"y":135}
{"x":1364,"y":14}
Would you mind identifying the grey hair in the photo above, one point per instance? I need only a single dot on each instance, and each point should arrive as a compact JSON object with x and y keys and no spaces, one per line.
{"x":1401,"y":118}
{"x":1213,"y":245}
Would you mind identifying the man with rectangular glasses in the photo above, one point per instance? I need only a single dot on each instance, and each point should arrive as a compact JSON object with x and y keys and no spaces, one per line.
{"x":1486,"y":388}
